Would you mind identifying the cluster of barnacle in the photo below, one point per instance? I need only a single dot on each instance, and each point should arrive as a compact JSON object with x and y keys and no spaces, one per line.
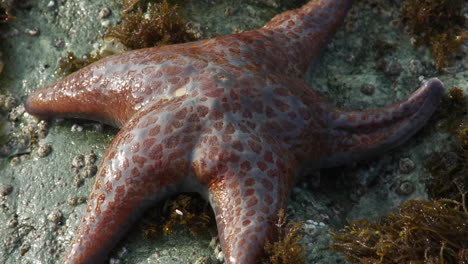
{"x":440,"y":24}
{"x":183,"y":211}
{"x":20,"y":133}
{"x":433,"y":231}
{"x":287,"y":249}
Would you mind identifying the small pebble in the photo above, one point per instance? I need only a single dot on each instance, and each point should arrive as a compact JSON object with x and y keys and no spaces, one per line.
{"x":55,"y":216}
{"x":406,"y":165}
{"x":367,"y":89}
{"x":5,"y":189}
{"x":51,"y":4}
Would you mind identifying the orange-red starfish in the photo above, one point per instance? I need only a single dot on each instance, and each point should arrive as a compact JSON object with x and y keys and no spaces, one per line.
{"x":230,"y":118}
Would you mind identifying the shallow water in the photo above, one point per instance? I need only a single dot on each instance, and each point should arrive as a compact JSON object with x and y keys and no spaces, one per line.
{"x":42,"y":186}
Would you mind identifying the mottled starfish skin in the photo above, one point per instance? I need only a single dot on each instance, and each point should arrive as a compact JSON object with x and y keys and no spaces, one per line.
{"x":230,"y":118}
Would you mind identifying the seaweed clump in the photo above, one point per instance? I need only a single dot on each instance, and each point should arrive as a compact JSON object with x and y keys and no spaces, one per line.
{"x":143,"y":25}
{"x":5,"y":16}
{"x":420,"y":232}
{"x":183,"y":211}
{"x":449,"y":168}
{"x":150,"y":25}
{"x":439,"y":24}
{"x":288,"y":248}
{"x":71,"y":63}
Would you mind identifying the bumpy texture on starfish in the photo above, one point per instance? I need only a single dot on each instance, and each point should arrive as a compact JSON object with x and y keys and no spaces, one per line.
{"x":230,"y":118}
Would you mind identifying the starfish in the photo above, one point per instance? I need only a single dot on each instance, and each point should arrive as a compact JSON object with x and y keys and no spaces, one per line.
{"x":230,"y":118}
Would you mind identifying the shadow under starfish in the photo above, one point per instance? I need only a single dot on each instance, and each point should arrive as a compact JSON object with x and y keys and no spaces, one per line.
{"x":230,"y":118}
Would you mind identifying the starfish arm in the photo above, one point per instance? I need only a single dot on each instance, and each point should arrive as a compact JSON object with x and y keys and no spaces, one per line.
{"x":248,"y":181}
{"x":357,"y":135}
{"x":285,"y":45}
{"x":111,"y":90}
{"x":303,"y":32}
{"x":142,"y":166}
